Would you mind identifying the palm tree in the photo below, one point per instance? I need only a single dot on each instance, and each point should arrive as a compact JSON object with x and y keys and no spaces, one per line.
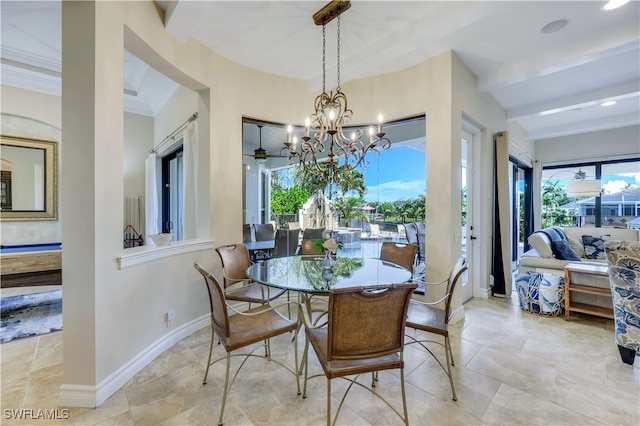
{"x":341,"y":180}
{"x":349,"y":208}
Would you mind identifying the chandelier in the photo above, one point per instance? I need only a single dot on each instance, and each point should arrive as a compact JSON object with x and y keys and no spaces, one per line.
{"x":328,"y":150}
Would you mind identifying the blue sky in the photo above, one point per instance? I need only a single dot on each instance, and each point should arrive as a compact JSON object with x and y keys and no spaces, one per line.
{"x":399,"y":172}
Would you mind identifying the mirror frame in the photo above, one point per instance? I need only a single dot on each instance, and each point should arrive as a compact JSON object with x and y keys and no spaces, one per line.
{"x":51,"y":180}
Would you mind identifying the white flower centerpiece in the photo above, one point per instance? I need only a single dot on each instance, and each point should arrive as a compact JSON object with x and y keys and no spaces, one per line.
{"x":330,"y":246}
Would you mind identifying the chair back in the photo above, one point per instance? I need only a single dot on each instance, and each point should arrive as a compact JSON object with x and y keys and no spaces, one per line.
{"x":263,"y":231}
{"x":313,"y":233}
{"x":217,"y":303}
{"x":374,"y":229}
{"x":286,"y":243}
{"x":456,"y":272}
{"x":247,"y":233}
{"x":235,"y":262}
{"x":399,"y":253}
{"x":308,"y":248}
{"x":367,"y":322}
{"x":411,"y":233}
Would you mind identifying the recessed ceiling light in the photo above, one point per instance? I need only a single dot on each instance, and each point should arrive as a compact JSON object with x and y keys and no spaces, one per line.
{"x":554,"y":26}
{"x":614,"y":4}
{"x":608,"y":103}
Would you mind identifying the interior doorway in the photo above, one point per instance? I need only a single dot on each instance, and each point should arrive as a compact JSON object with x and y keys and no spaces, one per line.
{"x":466,"y":220}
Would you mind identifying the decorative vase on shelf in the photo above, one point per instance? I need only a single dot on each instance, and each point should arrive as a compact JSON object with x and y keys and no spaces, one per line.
{"x":327,"y":262}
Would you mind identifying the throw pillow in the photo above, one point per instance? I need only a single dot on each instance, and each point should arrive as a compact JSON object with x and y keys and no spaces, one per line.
{"x":563,"y":250}
{"x":594,"y":246}
{"x":542,"y":244}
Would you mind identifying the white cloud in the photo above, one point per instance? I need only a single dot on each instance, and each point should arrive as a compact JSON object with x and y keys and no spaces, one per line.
{"x":395,"y":190}
{"x":635,"y":176}
{"x":614,"y":186}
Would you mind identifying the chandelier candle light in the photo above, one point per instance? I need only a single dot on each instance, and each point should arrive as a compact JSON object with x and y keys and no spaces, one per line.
{"x":343,"y":152}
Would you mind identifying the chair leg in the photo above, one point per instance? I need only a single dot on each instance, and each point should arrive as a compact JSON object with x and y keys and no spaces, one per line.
{"x":404,"y":398}
{"x":328,"y":402}
{"x":305,"y":361}
{"x":295,"y":362}
{"x":206,"y":372}
{"x":226,"y":389}
{"x":628,"y":355}
{"x":447,"y":351}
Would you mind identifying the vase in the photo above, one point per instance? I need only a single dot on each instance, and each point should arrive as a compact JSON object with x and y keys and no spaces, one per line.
{"x":327,"y":262}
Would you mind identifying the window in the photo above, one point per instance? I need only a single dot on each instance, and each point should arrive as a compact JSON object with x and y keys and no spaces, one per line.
{"x":617,"y":205}
{"x":172,"y":193}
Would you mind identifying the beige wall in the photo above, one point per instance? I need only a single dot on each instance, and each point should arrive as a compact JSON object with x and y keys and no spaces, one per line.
{"x":34,"y":115}
{"x":595,"y":146}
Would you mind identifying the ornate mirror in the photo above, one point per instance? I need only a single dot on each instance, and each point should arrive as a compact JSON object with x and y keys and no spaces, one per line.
{"x":28,"y":184}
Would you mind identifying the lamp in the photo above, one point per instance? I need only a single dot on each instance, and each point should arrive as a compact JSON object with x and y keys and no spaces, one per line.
{"x":580,"y":186}
{"x":330,"y":116}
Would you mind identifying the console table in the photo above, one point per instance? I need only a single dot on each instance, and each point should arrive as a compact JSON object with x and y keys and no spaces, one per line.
{"x":573,"y":273}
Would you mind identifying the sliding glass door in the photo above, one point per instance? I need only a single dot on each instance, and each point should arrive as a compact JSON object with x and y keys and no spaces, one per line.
{"x":521,"y":208}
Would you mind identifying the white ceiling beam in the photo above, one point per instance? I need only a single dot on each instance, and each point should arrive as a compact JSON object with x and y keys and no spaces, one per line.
{"x":624,"y":120}
{"x":182,"y":16}
{"x":581,"y":100}
{"x":551,"y":63}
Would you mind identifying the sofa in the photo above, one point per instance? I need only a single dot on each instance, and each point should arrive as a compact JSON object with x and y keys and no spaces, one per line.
{"x":585,"y":245}
{"x":541,"y":258}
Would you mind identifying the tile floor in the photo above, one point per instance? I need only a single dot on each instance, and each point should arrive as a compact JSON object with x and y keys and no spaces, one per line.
{"x":511,"y":368}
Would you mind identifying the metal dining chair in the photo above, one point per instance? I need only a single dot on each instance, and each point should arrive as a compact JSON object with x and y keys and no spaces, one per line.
{"x":430,"y":317}
{"x":237,"y":285}
{"x":364,"y":333}
{"x":400,"y":254}
{"x":241,"y":330}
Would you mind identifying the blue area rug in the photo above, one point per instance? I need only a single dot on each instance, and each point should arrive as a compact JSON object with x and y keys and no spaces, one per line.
{"x":30,"y":315}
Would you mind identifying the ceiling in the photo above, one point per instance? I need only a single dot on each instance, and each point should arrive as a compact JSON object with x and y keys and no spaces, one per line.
{"x":551,"y":84}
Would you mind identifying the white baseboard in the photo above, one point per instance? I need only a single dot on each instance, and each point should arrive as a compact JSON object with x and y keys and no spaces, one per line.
{"x":88,"y":396}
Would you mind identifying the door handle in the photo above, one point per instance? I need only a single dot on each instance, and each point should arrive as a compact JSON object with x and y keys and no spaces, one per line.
{"x":473,"y":238}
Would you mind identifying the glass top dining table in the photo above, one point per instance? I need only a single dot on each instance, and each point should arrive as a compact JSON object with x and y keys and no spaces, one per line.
{"x":307,"y":275}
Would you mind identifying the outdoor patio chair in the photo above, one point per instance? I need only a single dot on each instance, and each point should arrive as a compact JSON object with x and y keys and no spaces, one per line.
{"x":286,"y":243}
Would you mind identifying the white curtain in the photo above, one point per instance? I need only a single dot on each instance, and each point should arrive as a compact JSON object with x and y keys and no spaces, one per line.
{"x":190,"y":181}
{"x":151,"y":196}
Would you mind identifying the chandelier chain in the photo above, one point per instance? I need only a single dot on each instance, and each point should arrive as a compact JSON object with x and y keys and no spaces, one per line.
{"x":324,"y":57}
{"x":338,"y":49}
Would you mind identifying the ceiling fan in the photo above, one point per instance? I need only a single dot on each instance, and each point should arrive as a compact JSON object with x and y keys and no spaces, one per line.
{"x":260,"y":154}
